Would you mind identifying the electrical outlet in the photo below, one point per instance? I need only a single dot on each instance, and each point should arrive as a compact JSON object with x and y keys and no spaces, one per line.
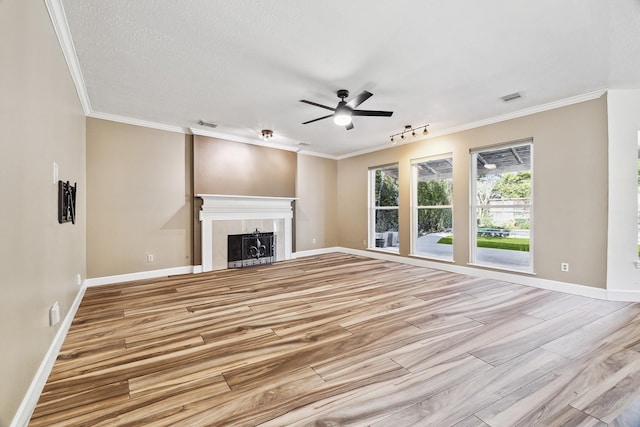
{"x":54,"y":314}
{"x":313,"y":241}
{"x":564,"y":266}
{"x":78,"y":279}
{"x":364,"y":243}
{"x":149,"y":257}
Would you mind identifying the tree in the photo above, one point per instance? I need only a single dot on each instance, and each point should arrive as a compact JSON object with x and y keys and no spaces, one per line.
{"x":434,"y":193}
{"x":513,"y":185}
{"x":386,"y":194}
{"x":484,"y":191}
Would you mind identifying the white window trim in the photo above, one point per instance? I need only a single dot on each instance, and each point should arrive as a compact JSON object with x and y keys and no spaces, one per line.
{"x":414,"y":206}
{"x":371,"y":220}
{"x":473,"y":207}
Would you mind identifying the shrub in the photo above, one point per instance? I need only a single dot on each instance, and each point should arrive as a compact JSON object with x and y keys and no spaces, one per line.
{"x":508,"y":243}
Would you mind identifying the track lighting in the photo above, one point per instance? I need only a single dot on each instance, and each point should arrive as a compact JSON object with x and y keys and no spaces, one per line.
{"x":266,"y":134}
{"x":409,"y":128}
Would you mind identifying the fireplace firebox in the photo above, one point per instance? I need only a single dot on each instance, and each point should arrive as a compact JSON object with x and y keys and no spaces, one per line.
{"x":247,"y":250}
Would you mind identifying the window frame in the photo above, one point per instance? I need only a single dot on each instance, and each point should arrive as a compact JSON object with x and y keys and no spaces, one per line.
{"x":474,"y":206}
{"x":371,"y":221}
{"x":415,"y":207}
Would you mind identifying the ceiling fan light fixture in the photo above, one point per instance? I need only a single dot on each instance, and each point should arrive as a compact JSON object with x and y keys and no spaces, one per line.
{"x":342,"y":116}
{"x":343,"y":113}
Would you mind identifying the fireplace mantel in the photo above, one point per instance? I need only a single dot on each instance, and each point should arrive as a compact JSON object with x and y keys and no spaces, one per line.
{"x":219,"y":207}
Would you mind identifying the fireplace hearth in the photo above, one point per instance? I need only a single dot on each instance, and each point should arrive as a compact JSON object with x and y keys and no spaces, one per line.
{"x":247,"y":250}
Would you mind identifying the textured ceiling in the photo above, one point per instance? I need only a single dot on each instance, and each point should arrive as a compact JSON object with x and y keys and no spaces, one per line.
{"x":245,"y":64}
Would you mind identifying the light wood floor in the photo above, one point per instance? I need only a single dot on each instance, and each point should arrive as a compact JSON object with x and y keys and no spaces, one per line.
{"x":344,"y":340}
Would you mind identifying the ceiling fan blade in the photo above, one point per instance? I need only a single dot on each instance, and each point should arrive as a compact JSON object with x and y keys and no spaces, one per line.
{"x":319,"y":118}
{"x":372,"y":113}
{"x":359,"y":99}
{"x":349,"y":126}
{"x":317,"y":105}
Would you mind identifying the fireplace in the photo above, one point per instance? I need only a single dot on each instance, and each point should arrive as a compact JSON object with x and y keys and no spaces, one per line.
{"x":247,"y":250}
{"x":224,"y":215}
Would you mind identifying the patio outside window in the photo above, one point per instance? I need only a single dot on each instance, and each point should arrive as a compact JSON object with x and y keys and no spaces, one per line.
{"x":501,"y":207}
{"x":433,"y":208}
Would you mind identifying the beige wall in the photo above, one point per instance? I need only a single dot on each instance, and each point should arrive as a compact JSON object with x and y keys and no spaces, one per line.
{"x":139,"y":199}
{"x":570,"y":188}
{"x":316,"y":207}
{"x":41,"y":122}
{"x":227,"y":167}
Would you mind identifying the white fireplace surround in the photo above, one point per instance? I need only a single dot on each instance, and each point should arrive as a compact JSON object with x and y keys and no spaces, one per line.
{"x":217,"y":207}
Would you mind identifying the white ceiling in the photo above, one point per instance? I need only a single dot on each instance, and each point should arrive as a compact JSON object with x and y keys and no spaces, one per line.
{"x":245,"y":64}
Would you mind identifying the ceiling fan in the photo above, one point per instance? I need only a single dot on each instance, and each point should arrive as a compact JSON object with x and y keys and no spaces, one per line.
{"x":344,"y":111}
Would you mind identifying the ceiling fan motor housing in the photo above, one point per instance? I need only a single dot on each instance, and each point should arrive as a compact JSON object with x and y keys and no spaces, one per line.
{"x":343,"y":93}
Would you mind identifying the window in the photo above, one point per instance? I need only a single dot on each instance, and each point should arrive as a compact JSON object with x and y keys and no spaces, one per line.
{"x":383,"y":208}
{"x":432,"y":211}
{"x":501,"y":207}
{"x":638,"y":253}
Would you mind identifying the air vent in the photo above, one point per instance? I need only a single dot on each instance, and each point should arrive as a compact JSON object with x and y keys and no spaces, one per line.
{"x":303,"y":144}
{"x":207,"y":124}
{"x":511,"y":97}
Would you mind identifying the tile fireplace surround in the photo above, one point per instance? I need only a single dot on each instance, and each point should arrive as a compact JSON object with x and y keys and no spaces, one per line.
{"x":217,"y":207}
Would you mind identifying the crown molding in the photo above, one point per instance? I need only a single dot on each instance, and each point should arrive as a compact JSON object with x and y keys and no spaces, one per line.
{"x":61,"y":27}
{"x":521,"y":113}
{"x":137,"y":122}
{"x":242,"y":139}
{"x":370,"y":150}
{"x":492,"y":120}
{"x":316,"y":154}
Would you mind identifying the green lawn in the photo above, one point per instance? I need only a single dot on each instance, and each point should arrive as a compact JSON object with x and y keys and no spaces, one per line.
{"x":509,"y":243}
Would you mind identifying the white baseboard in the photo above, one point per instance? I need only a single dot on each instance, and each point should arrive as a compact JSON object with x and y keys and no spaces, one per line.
{"x":527,"y":280}
{"x":314,"y":252}
{"x":622,"y":295}
{"x":152,"y":274}
{"x":30,"y":400}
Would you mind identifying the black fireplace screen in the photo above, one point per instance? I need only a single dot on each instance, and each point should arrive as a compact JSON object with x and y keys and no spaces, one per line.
{"x":246,"y":250}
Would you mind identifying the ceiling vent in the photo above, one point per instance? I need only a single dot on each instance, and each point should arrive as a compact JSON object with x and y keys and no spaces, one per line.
{"x":207,"y":124}
{"x":511,"y":97}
